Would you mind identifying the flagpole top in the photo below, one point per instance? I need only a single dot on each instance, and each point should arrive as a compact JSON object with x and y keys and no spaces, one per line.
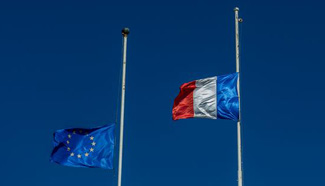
{"x":125,"y":31}
{"x":236,"y":9}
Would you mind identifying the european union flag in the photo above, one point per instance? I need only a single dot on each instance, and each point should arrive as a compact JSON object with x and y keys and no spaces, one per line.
{"x":91,"y":148}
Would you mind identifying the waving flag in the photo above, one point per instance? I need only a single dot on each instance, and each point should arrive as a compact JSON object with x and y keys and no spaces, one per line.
{"x":212,"y":98}
{"x":88,"y":148}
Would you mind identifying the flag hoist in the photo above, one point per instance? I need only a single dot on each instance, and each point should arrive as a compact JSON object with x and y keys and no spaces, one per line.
{"x":240,"y":172}
{"x":214,"y":98}
{"x":125,"y":33}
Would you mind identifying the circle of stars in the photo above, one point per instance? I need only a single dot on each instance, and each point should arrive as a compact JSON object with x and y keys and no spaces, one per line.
{"x":87,"y":153}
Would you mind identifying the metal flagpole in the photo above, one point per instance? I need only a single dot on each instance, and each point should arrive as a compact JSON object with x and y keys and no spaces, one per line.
{"x":240,"y":172}
{"x":125,"y":33}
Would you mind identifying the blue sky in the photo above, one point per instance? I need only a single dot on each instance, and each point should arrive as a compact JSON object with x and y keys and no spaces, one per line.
{"x":60,"y":68}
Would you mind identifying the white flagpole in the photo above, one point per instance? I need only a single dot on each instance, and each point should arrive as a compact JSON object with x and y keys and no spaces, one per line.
{"x":125,"y":33}
{"x":240,"y":172}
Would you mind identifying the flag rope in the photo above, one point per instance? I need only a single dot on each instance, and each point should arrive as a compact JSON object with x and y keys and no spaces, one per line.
{"x":118,"y":96}
{"x":241,"y":102}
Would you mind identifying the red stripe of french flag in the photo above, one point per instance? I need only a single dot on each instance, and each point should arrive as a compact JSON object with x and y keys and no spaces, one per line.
{"x":196,"y":99}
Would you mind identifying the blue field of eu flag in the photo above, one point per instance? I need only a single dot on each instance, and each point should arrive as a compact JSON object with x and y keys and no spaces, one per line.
{"x":90,"y":148}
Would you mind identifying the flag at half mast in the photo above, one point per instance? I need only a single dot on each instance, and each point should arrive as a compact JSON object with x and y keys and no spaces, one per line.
{"x":212,"y":98}
{"x":80,"y":147}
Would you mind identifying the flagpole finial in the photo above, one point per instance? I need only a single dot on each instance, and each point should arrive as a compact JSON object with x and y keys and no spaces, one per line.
{"x":125,"y":31}
{"x":236,"y":9}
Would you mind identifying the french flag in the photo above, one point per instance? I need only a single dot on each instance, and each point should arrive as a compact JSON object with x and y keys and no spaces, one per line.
{"x":212,"y":98}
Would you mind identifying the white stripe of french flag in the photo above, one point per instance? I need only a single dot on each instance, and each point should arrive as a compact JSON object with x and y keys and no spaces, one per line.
{"x":197,"y":99}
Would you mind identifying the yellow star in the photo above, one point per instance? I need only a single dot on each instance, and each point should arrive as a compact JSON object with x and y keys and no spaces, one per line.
{"x":91,"y":138}
{"x":93,"y":143}
{"x":72,"y":154}
{"x":74,"y":132}
{"x":91,"y":150}
{"x":80,"y":131}
{"x":86,"y":154}
{"x":68,"y":149}
{"x":69,"y":136}
{"x":79,"y":156}
{"x":68,"y":142}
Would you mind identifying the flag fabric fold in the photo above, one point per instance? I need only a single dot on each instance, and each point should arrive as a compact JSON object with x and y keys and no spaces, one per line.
{"x":212,"y":98}
{"x":79,"y":147}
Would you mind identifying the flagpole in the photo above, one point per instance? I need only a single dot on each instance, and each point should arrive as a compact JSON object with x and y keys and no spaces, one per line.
{"x":125,"y":33}
{"x":240,"y":172}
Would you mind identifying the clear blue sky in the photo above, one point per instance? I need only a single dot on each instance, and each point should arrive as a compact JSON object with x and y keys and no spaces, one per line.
{"x":60,"y":68}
